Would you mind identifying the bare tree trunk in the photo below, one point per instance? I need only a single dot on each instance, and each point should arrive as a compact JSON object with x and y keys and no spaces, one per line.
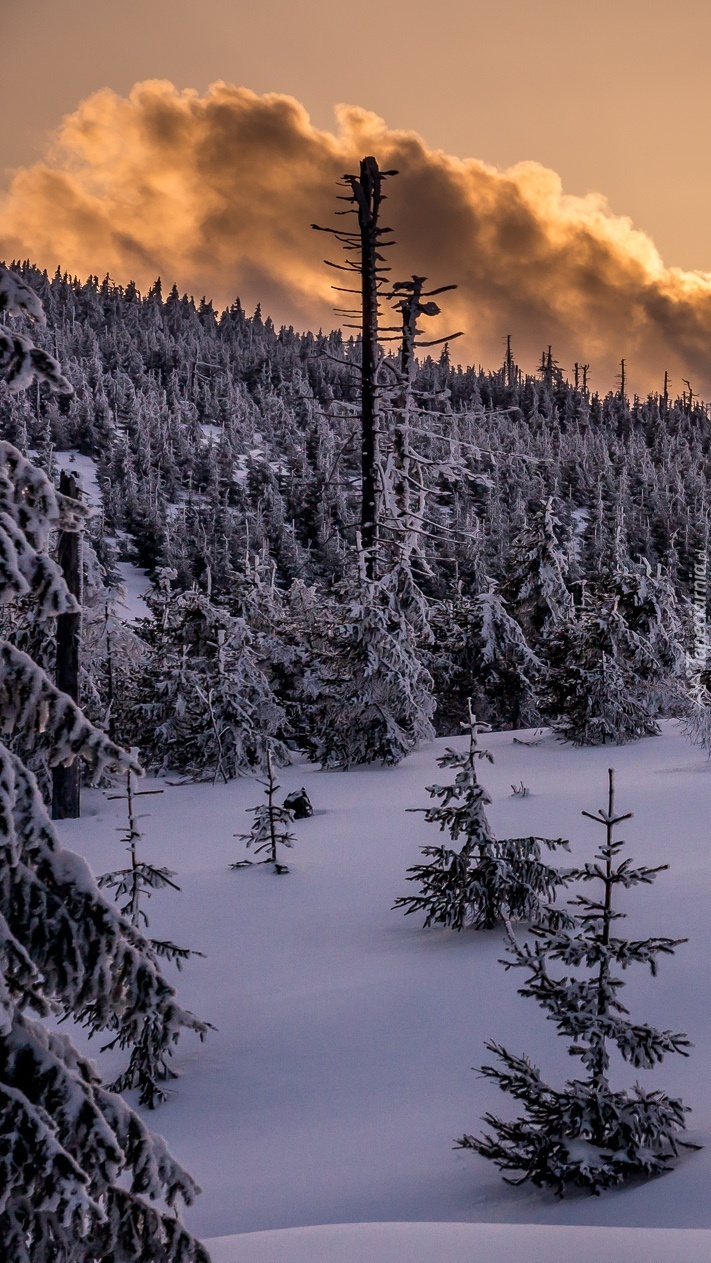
{"x":66,"y":780}
{"x":368,"y":196}
{"x":368,"y":243}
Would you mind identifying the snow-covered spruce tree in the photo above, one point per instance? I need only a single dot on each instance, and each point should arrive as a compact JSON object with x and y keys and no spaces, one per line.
{"x":21,"y":362}
{"x":591,"y":691}
{"x":656,"y":614}
{"x":588,"y":1134}
{"x":508,"y":668}
{"x":538,"y":565}
{"x":148,"y":1067}
{"x":110,"y":650}
{"x":486,"y":881}
{"x":368,"y":695}
{"x":202,"y":705}
{"x":82,"y":1179}
{"x":270,"y":827}
{"x":696,"y":718}
{"x":652,"y":611}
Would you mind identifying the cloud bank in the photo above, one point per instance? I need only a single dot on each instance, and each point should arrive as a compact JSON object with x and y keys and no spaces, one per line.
{"x":217,"y":192}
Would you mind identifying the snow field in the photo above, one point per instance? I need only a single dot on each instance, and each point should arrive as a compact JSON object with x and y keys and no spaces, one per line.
{"x":463,"y":1243}
{"x":339,"y":1074}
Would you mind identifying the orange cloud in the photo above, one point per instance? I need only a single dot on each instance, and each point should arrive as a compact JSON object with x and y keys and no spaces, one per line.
{"x":217,"y":193}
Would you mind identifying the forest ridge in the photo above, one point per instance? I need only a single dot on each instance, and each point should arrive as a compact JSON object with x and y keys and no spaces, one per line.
{"x":227,"y":453}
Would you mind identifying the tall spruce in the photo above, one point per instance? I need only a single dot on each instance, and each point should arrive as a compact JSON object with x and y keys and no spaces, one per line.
{"x":368,"y":695}
{"x":592,"y":691}
{"x":537,"y":570}
{"x":368,"y":241}
{"x":588,"y":1134}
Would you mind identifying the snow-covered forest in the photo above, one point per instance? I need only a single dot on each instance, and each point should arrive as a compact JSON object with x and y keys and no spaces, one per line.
{"x":226,"y":452}
{"x":539,"y":570}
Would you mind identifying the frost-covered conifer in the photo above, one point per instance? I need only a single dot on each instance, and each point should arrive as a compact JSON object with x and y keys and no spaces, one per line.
{"x":203,"y":705}
{"x":148,"y":1066}
{"x":21,"y":362}
{"x":110,"y":650}
{"x":82,"y":1179}
{"x":369,"y":696}
{"x":270,"y":827}
{"x":508,"y":668}
{"x":652,"y":611}
{"x":696,"y":718}
{"x":588,"y":1134}
{"x":486,"y":881}
{"x":592,"y":691}
{"x":538,"y":566}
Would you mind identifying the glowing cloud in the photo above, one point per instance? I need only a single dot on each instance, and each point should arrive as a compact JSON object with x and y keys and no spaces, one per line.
{"x":217,"y":193}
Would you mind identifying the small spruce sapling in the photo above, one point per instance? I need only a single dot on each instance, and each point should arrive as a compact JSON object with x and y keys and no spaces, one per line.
{"x":148,"y":1065}
{"x":269,"y":828}
{"x":588,"y":1135}
{"x":486,"y":881}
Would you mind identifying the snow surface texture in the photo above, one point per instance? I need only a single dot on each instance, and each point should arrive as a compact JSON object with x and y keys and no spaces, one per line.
{"x":84,"y":467}
{"x":136,"y":584}
{"x":463,"y":1243}
{"x":340,"y":1071}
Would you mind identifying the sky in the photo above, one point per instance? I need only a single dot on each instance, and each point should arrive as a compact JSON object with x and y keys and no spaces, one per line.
{"x":563,"y":141}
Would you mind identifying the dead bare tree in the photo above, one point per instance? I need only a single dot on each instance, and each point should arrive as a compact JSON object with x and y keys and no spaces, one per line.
{"x":393,"y":489}
{"x":366,"y":195}
{"x":403,"y":487}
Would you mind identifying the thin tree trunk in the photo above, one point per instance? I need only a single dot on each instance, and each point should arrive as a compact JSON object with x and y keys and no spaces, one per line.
{"x":66,"y":804}
{"x":368,"y":208}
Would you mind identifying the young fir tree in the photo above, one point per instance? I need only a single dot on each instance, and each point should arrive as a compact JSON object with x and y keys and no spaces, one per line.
{"x":486,"y":881}
{"x":269,"y":828}
{"x":368,"y":694}
{"x":148,"y":1067}
{"x":588,"y":1134}
{"x":82,"y":1179}
{"x":591,"y":691}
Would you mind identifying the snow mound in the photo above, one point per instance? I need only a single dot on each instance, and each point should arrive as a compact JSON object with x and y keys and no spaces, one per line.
{"x":463,"y":1243}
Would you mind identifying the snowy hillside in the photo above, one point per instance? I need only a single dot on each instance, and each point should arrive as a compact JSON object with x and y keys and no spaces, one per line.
{"x":340,"y":1070}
